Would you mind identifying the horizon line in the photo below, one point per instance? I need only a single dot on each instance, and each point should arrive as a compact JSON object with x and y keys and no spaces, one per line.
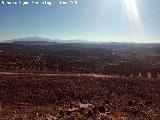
{"x":89,"y":41}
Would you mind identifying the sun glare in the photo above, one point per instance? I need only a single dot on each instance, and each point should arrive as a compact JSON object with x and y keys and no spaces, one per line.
{"x":133,"y":14}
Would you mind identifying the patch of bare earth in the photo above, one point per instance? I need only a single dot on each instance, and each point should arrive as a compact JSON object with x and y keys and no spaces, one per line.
{"x":69,"y":97}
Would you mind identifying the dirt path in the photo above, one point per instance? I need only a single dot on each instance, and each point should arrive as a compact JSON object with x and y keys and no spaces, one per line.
{"x":75,"y":75}
{"x":59,"y":74}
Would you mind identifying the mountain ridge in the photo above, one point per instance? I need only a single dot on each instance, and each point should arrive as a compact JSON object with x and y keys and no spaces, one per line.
{"x":36,"y":39}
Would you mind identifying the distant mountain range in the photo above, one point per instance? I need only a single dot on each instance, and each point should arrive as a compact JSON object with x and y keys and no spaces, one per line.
{"x":44,"y":41}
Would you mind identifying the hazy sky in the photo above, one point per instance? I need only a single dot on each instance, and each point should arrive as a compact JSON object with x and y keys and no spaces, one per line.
{"x":97,"y":20}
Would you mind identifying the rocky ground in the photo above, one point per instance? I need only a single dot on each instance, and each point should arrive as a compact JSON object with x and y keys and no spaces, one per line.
{"x":34,"y":97}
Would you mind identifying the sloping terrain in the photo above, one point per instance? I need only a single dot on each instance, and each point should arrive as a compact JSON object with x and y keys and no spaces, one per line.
{"x":68,"y":97}
{"x":109,"y":59}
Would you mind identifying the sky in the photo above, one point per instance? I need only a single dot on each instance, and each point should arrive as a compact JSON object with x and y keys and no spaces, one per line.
{"x":93,"y":20}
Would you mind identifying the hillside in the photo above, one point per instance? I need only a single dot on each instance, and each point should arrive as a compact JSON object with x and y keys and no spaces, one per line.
{"x":84,"y":97}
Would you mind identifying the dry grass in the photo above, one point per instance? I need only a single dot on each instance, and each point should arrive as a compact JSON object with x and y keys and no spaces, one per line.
{"x":27,"y":95}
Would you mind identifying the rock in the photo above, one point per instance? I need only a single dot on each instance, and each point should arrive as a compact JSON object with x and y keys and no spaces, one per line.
{"x":68,"y":113}
{"x":82,"y":111}
{"x":89,"y":114}
{"x":130,"y":103}
{"x":61,"y":114}
{"x":107,"y":101}
{"x":148,"y":103}
{"x":101,"y":109}
{"x":94,"y":110}
{"x":85,"y":106}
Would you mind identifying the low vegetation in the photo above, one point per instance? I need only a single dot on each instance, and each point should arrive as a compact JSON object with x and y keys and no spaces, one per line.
{"x":68,"y":97}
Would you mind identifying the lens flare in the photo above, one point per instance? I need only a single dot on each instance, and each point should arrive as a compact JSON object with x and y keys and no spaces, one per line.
{"x":133,"y":15}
